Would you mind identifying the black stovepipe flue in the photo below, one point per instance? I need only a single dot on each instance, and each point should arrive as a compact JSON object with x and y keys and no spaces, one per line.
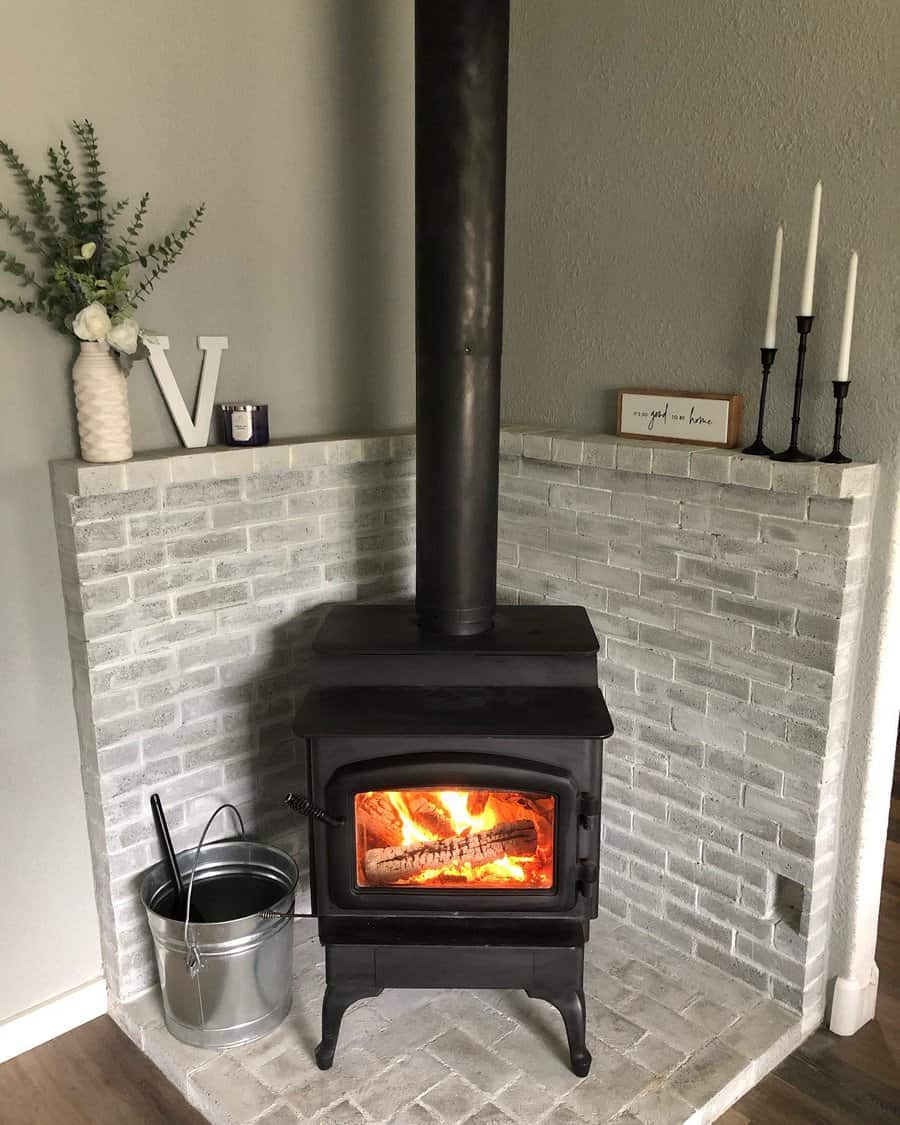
{"x":461,"y":93}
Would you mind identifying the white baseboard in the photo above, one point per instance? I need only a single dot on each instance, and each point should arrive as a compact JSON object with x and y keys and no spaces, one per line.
{"x":54,"y":1017}
{"x":853,"y":1004}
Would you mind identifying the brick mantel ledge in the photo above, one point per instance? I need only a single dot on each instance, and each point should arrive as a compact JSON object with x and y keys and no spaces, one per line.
{"x":694,"y":462}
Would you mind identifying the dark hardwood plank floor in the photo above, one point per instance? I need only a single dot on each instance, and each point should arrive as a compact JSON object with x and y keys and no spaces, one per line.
{"x":96,"y":1076}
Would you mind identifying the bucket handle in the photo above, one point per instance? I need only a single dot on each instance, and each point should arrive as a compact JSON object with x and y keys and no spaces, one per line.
{"x":194,"y":962}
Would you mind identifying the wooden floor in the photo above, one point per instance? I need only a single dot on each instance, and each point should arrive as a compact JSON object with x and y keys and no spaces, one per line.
{"x":96,"y":1076}
{"x":93,"y":1076}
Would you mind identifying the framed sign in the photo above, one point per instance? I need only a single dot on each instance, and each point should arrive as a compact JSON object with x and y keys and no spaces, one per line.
{"x":696,"y":417}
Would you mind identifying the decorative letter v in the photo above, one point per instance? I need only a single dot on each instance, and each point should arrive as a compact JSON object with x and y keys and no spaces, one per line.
{"x":194,"y":432}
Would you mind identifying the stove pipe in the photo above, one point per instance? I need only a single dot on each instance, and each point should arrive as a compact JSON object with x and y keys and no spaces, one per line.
{"x":461,"y":79}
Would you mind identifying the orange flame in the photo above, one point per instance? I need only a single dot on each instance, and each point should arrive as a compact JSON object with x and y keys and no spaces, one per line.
{"x":450,"y":815}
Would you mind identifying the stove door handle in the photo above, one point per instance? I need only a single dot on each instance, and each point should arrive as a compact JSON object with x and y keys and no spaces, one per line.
{"x":305,"y":807}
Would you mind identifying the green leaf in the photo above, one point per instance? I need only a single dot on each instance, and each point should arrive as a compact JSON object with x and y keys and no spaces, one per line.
{"x":35,"y":200}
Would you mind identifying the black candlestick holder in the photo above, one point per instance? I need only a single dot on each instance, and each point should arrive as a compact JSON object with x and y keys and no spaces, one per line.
{"x":835,"y":457}
{"x":759,"y":447}
{"x":793,"y":452}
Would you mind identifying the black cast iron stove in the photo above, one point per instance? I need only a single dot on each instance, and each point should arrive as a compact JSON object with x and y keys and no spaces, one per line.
{"x":454,"y":749}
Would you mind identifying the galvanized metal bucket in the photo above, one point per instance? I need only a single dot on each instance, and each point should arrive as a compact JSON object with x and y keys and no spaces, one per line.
{"x":224,"y":982}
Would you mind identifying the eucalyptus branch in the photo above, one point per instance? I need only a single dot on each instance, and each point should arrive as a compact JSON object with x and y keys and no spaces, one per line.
{"x":10,"y":264}
{"x":84,"y":259}
{"x":94,"y":188}
{"x":22,"y":231}
{"x":35,"y":199}
{"x":129,"y":239}
{"x":165,"y":252}
{"x":18,"y":306}
{"x":116,"y":209}
{"x":65,"y":181}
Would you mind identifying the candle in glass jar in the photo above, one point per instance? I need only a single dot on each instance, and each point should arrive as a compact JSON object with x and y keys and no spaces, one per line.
{"x":774,"y":285}
{"x":843,"y":369}
{"x":809,"y":271}
{"x":245,"y":423}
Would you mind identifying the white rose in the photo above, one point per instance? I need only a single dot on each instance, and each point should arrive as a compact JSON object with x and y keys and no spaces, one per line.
{"x":123,"y":336}
{"x":88,"y":250}
{"x":92,"y":323}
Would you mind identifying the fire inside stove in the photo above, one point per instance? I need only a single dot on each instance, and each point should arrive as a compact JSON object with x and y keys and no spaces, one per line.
{"x":455,"y":839}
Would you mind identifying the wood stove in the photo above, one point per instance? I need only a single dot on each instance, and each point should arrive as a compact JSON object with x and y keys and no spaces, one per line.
{"x":454,"y":749}
{"x":458,"y":780}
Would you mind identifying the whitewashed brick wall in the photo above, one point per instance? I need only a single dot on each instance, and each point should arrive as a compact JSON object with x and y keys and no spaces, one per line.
{"x":193,"y":583}
{"x":726,"y":592}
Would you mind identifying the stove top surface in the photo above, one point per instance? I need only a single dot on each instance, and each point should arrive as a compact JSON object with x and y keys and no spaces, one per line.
{"x":526,"y":712}
{"x":541,"y":646}
{"x":518,"y":629}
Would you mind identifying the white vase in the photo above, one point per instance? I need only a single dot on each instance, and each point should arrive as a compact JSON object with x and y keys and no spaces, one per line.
{"x":101,"y":403}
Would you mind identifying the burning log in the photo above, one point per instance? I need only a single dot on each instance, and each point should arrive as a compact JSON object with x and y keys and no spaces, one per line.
{"x":382,"y":824}
{"x":428,"y":813}
{"x":477,"y":801}
{"x":378,"y":820}
{"x":389,"y":865}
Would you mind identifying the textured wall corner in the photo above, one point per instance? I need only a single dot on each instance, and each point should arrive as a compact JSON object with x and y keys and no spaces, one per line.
{"x":653,"y":149}
{"x":726,"y":592}
{"x":193,"y":585}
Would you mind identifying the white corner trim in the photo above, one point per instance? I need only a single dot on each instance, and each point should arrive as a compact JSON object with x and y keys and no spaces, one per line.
{"x":853,"y":1004}
{"x":54,"y":1017}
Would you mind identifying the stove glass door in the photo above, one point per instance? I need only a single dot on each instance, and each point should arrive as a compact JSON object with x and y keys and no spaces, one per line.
{"x":455,"y":839}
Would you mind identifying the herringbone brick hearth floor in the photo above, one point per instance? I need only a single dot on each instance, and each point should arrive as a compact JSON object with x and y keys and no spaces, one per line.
{"x":673,"y":1041}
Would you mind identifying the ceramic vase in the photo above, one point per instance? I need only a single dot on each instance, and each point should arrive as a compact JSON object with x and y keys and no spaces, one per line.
{"x":101,"y":404}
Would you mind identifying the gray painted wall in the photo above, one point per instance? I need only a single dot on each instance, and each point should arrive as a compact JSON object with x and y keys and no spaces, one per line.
{"x":653,"y":149}
{"x":296,"y":127}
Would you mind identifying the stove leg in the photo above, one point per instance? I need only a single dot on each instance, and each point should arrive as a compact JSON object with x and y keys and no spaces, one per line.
{"x":338,"y":998}
{"x":570,"y":1005}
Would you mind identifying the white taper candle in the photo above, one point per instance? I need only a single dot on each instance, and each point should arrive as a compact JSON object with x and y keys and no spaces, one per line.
{"x":809,"y":272}
{"x":843,"y":368}
{"x":774,"y":285}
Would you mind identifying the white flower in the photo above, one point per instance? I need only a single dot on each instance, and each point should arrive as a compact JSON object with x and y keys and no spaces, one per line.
{"x":92,"y":323}
{"x":123,"y":336}
{"x":88,"y":250}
